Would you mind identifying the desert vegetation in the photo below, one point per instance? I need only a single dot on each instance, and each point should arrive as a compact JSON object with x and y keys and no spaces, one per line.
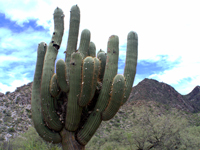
{"x":142,"y":126}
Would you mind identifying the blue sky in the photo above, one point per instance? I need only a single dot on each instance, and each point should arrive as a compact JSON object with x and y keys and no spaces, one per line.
{"x":168,"y":34}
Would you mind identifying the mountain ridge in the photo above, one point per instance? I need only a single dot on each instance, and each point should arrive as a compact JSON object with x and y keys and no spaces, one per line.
{"x":153,"y":90}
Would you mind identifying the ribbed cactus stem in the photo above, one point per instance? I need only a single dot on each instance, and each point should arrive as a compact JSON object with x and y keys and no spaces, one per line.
{"x":73,"y":110}
{"x":95,"y":76}
{"x":73,"y":36}
{"x":92,"y":50}
{"x":36,"y":110}
{"x":49,"y":112}
{"x":84,"y":43}
{"x":102,"y":57}
{"x":54,"y":88}
{"x":117,"y":93}
{"x":62,"y":75}
{"x":86,"y":84}
{"x":131,"y":63}
{"x":110,"y":72}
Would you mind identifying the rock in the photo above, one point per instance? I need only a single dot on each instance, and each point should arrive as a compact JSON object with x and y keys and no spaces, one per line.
{"x":1,"y":94}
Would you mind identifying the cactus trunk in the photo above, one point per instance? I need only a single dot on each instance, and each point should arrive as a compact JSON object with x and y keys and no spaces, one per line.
{"x":69,"y":141}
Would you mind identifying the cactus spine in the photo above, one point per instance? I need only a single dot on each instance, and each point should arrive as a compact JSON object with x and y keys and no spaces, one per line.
{"x":68,"y":106}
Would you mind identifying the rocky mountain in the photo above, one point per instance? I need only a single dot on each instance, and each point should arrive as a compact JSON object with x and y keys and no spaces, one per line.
{"x":15,"y":107}
{"x":194,"y":98}
{"x":152,"y":90}
{"x":15,"y":112}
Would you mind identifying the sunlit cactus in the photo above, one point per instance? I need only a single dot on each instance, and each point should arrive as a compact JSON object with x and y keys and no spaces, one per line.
{"x":69,"y":105}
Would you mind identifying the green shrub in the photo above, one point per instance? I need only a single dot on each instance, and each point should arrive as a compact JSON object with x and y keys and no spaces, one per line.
{"x":29,"y":115}
{"x":18,"y":99}
{"x":18,"y":120}
{"x":5,"y":100}
{"x":3,"y":128}
{"x":11,"y":130}
{"x":8,"y":113}
{"x":1,"y":138}
{"x":8,"y":92}
{"x":17,"y":90}
{"x":7,"y":119}
{"x":28,"y":141}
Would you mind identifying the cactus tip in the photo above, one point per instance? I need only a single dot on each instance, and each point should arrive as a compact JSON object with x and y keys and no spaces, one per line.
{"x":133,"y":34}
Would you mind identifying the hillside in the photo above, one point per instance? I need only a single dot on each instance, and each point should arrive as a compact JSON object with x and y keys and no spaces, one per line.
{"x":194,"y":98}
{"x":15,"y":107}
{"x":15,"y":112}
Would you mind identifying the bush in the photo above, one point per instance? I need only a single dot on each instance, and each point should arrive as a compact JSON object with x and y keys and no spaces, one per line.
{"x":1,"y":138}
{"x":8,"y":113}
{"x":8,"y":92}
{"x":7,"y":119}
{"x":11,"y":130}
{"x":28,"y":141}
{"x":6,"y":104}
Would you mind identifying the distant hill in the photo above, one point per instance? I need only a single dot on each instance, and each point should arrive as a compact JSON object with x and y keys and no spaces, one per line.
{"x":152,"y":90}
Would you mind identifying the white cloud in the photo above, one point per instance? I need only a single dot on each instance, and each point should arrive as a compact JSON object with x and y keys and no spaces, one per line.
{"x":13,"y":85}
{"x":17,"y":56}
{"x":4,"y":58}
{"x":184,"y":77}
{"x":20,"y":44}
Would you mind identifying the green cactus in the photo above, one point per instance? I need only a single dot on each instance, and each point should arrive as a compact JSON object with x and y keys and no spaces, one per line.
{"x":69,"y":105}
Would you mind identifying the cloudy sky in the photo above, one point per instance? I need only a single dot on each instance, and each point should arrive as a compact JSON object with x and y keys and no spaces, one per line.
{"x":168,"y":31}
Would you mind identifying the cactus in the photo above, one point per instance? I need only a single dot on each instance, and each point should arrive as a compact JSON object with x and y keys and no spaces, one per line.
{"x":69,"y":105}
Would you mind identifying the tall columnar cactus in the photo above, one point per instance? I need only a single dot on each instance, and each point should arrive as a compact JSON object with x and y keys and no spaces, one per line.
{"x":69,"y":105}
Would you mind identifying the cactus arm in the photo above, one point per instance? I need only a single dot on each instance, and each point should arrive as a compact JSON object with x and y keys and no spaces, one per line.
{"x":116,"y":98}
{"x":131,"y":63}
{"x":37,"y":117}
{"x":73,"y":109}
{"x":84,"y":43}
{"x":73,"y":36}
{"x":61,"y":75}
{"x":90,"y":127}
{"x":87,"y":76}
{"x":100,"y":51}
{"x":90,"y":71}
{"x":54,"y":89}
{"x":94,"y":120}
{"x":110,"y":72}
{"x":92,"y":50}
{"x":49,"y":113}
{"x":95,"y":76}
{"x":102,"y":57}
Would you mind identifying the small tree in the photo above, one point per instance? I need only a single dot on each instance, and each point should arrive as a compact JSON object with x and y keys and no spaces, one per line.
{"x":190,"y":138}
{"x":153,"y":129}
